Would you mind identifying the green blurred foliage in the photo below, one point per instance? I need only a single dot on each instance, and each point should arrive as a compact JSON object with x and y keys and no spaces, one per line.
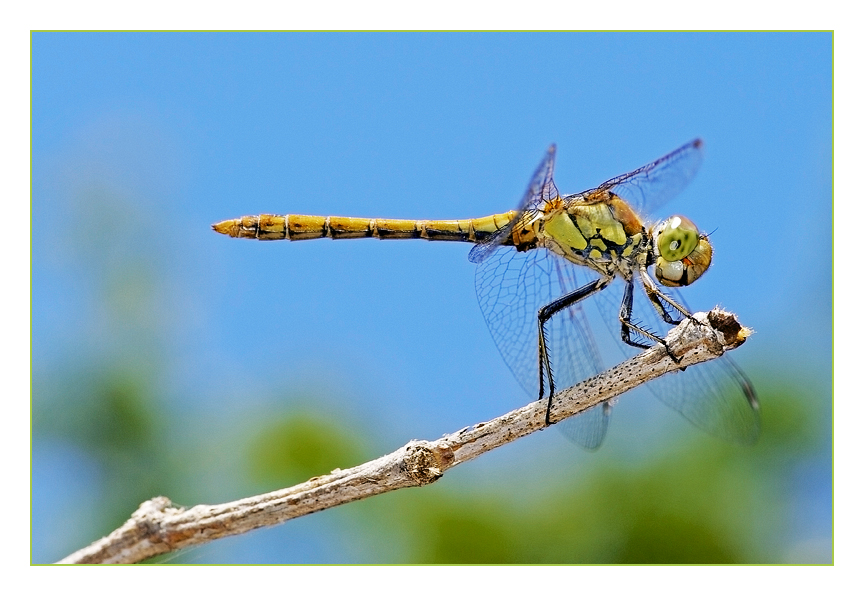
{"x":298,"y":446}
{"x":110,"y":415}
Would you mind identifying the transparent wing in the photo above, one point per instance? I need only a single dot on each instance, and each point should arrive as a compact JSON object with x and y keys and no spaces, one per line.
{"x":540,"y":190}
{"x":511,"y":287}
{"x":652,"y":185}
{"x":715,"y":396}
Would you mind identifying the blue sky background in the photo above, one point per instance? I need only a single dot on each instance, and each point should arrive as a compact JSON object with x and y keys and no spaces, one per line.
{"x":141,"y":141}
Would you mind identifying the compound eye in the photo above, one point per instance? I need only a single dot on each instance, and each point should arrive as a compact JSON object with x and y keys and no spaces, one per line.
{"x":677,"y":238}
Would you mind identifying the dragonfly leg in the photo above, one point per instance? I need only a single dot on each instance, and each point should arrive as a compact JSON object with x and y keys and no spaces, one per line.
{"x":658,"y":300}
{"x":546,"y":313}
{"x":661,"y":300}
{"x":625,"y":314}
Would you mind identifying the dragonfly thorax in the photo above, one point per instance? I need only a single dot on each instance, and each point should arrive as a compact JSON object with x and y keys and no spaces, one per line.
{"x":604,"y":235}
{"x":681,"y":253}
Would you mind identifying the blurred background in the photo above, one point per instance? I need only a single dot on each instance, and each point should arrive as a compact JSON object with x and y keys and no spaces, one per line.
{"x":169,"y":360}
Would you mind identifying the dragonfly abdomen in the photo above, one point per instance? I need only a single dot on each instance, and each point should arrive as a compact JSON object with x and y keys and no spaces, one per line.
{"x":309,"y":227}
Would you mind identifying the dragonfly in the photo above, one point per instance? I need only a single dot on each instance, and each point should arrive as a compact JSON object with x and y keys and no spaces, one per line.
{"x":558,"y":267}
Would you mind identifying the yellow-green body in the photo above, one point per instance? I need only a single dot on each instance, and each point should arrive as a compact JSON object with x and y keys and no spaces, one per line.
{"x":309,"y":227}
{"x":598,"y":230}
{"x":521,"y":286}
{"x":602,"y":233}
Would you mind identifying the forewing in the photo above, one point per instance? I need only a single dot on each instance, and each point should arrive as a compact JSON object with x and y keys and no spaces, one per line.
{"x":652,"y":185}
{"x":540,"y":190}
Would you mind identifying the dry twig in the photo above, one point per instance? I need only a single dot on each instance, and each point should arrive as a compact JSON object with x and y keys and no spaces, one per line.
{"x":158,"y":526}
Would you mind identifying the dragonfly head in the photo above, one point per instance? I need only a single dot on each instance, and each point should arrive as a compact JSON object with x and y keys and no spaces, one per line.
{"x":681,"y":253}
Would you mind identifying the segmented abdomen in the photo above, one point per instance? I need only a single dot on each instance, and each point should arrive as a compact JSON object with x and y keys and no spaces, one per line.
{"x":308,"y":227}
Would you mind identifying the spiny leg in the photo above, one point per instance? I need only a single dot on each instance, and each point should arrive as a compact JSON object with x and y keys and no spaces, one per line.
{"x":625,"y":315}
{"x":546,"y":313}
{"x":657,"y":298}
{"x":660,"y":300}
